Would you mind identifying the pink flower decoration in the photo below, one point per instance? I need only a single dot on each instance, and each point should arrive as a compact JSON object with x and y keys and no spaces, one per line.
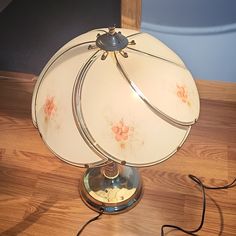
{"x":182,"y":93}
{"x":49,"y":107}
{"x":121,"y":131}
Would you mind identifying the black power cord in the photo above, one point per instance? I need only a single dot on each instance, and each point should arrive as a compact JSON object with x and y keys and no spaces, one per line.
{"x":190,"y":232}
{"x":89,"y":221}
{"x":203,"y":187}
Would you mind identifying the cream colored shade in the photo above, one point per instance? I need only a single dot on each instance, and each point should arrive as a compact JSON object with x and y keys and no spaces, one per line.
{"x":136,"y":110}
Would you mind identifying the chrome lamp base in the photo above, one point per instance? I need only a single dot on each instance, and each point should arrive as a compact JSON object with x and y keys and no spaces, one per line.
{"x":112,"y":189}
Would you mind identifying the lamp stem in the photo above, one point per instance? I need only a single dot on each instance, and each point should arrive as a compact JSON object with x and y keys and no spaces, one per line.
{"x":111,"y":170}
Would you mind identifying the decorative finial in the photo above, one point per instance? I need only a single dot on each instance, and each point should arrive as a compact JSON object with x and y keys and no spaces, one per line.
{"x":112,"y":30}
{"x":112,"y":41}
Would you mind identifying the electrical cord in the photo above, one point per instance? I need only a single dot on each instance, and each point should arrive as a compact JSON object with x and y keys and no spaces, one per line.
{"x":203,"y":187}
{"x":190,"y":232}
{"x":89,"y":221}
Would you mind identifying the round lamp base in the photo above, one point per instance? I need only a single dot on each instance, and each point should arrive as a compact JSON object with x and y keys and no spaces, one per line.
{"x":111,"y":194}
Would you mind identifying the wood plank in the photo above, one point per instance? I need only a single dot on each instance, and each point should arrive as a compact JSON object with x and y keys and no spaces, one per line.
{"x":217,"y":90}
{"x":131,"y":11}
{"x":39,"y":194}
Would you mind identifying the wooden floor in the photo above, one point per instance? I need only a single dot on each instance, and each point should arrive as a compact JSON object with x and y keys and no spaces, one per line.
{"x":39,"y":194}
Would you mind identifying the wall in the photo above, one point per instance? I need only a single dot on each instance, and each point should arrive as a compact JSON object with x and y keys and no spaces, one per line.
{"x":4,"y":4}
{"x":32,"y":31}
{"x":202,"y":33}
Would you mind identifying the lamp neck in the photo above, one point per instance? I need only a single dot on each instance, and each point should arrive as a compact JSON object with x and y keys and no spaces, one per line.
{"x":110,"y":171}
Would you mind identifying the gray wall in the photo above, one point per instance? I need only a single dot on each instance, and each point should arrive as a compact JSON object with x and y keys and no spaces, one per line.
{"x":33,"y":30}
{"x":202,"y":32}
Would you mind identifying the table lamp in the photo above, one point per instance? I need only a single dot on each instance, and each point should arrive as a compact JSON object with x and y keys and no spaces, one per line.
{"x":111,"y":101}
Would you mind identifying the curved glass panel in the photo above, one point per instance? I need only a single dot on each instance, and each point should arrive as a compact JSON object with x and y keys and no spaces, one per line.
{"x":53,"y":110}
{"x":117,"y":122}
{"x":166,"y":87}
{"x":81,"y":40}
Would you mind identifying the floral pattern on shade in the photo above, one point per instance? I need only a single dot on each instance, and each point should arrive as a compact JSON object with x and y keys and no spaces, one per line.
{"x":182,"y":93}
{"x":49,"y":108}
{"x":122,"y":132}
